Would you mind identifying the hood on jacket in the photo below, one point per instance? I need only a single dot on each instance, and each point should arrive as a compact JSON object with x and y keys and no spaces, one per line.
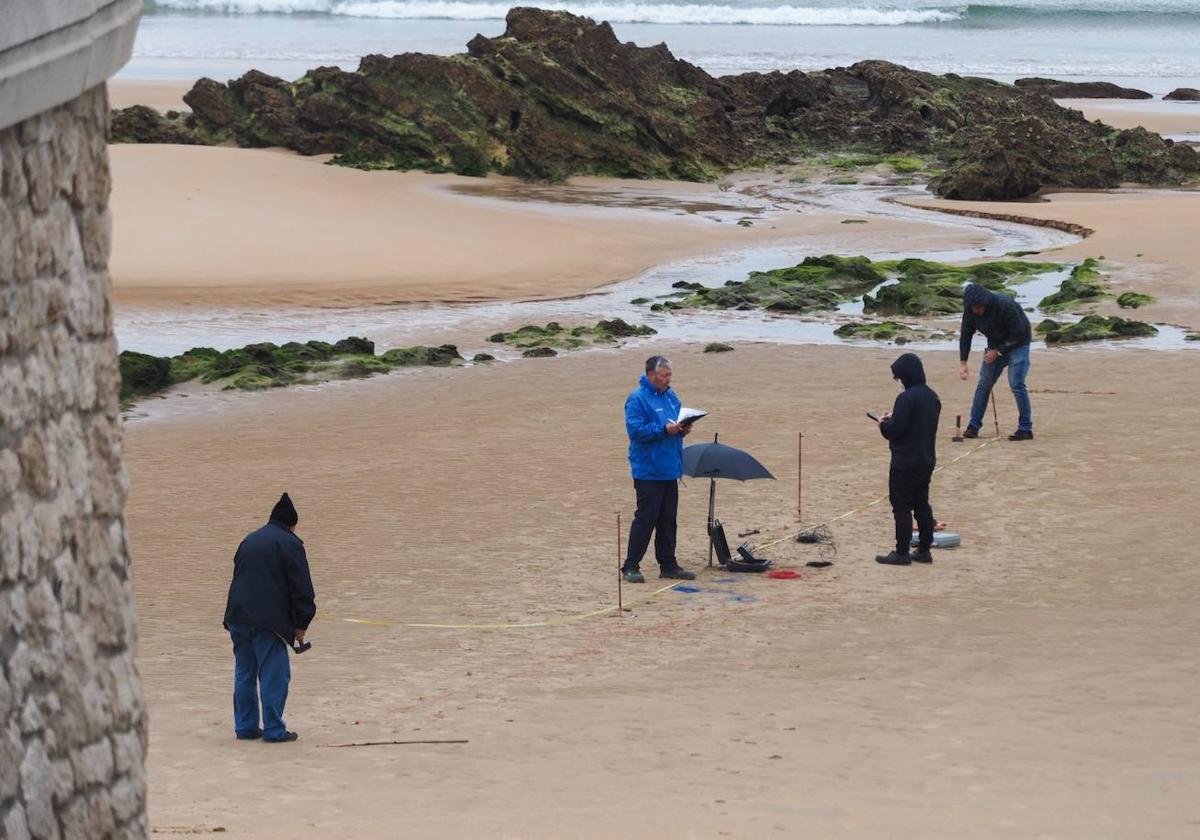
{"x":909,"y":370}
{"x":645,"y":382}
{"x":976,"y":295}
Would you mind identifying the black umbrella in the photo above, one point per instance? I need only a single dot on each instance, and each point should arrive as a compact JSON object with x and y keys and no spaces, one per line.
{"x":716,"y":460}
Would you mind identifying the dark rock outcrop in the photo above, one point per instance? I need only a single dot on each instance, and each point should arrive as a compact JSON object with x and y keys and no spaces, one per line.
{"x":1184,"y":95}
{"x":558,"y":95}
{"x":1082,"y":90}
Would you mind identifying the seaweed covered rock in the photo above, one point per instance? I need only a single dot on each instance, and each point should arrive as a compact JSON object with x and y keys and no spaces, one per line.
{"x":1094,"y":328}
{"x":817,"y":283}
{"x":1134,"y":300}
{"x":1084,"y":285}
{"x":932,"y":288}
{"x":823,"y":283}
{"x":718,"y":347}
{"x":1147,"y":158}
{"x":442,"y":356}
{"x":558,"y":95}
{"x":139,"y":124}
{"x":555,"y":335}
{"x":265,"y":365}
{"x":142,"y":374}
{"x":1081,"y":90}
{"x":892,"y":331}
{"x":539,"y":353}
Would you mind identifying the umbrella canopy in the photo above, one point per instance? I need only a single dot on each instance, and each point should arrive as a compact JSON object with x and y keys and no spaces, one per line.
{"x":716,"y":460}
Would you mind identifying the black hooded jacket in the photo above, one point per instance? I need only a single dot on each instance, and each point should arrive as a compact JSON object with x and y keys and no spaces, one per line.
{"x":912,"y":428}
{"x":271,"y":585}
{"x":1003,"y":321}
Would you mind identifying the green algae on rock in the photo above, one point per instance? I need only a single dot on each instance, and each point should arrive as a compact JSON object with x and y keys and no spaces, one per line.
{"x":265,"y":365}
{"x":718,"y":347}
{"x":558,"y":95}
{"x":555,"y":336}
{"x":1084,"y":285}
{"x":881,"y":331}
{"x":824,"y":283}
{"x":1094,"y":328}
{"x":1134,"y":300}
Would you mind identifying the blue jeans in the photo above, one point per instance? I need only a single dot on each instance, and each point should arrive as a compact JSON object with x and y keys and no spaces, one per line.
{"x":260,"y":665}
{"x":1017,"y":362}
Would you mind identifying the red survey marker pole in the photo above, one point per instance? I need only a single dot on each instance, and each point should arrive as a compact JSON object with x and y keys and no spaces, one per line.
{"x":799,"y":476}
{"x":620,"y":606}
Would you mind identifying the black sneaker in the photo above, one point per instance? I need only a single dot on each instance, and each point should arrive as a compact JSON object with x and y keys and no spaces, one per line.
{"x":894,"y":559}
{"x":1021,"y":434}
{"x":286,"y":738}
{"x":922,"y":556}
{"x":971,"y":433}
{"x":251,"y":735}
{"x":677,"y":573}
{"x":633,"y":576}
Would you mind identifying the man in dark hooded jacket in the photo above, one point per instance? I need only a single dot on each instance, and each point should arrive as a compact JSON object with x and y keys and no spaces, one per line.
{"x":1002,"y":320}
{"x":911,"y":430}
{"x":270,"y":606}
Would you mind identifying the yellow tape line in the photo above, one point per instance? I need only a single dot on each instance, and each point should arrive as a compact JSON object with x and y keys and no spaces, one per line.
{"x":571,"y":619}
{"x":549,"y":622}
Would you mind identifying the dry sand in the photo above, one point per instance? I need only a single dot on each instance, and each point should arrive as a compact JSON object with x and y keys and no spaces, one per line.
{"x":1154,"y":115}
{"x":252,"y":226}
{"x":160,"y":95}
{"x":1149,"y":239}
{"x":1040,"y":681}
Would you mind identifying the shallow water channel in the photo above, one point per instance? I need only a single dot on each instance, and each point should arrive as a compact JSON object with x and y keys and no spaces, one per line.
{"x":168,"y":332}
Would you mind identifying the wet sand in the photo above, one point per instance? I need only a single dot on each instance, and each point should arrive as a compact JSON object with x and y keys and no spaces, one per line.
{"x":1148,"y":238}
{"x":1037,"y":681}
{"x":252,"y":227}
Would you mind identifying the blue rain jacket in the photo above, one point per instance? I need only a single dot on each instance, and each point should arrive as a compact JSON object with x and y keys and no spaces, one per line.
{"x":653,"y":454}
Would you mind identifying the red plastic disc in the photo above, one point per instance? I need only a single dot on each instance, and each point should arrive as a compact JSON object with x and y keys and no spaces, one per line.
{"x":783,"y":574}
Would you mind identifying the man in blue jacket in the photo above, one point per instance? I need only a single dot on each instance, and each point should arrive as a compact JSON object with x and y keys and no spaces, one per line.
{"x":656,"y":459}
{"x":270,"y":606}
{"x":1002,"y":321}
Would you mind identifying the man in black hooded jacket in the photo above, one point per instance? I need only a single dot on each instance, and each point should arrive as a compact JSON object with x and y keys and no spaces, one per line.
{"x":1002,"y":321}
{"x":270,"y":606}
{"x":911,"y":430}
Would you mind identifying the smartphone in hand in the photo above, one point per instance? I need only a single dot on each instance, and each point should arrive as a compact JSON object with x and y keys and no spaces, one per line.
{"x":873,"y":417}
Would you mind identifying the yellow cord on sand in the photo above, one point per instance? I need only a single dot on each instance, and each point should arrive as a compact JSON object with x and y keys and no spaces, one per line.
{"x":572,"y":619}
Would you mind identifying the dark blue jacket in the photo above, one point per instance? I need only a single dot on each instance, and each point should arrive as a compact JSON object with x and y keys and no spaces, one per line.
{"x":912,"y":429}
{"x":1003,"y":321}
{"x":653,"y":454}
{"x":271,"y":586}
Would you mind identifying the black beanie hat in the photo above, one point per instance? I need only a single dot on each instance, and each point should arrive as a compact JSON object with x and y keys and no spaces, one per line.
{"x":285,"y":512}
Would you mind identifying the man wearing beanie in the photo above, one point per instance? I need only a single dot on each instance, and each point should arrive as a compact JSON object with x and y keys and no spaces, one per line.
{"x":270,"y":606}
{"x":1002,"y":321}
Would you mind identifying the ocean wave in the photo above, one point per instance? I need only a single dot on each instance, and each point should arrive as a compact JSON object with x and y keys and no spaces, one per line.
{"x":703,"y":13}
{"x":661,"y":13}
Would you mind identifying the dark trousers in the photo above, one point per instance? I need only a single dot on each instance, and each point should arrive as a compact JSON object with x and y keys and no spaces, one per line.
{"x":260,"y":666}
{"x":657,"y":506}
{"x":908,"y":490}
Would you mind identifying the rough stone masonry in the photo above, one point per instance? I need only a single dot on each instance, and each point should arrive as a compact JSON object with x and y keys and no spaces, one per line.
{"x":72,"y":720}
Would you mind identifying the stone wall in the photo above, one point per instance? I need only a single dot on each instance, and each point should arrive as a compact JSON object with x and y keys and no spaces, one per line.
{"x":72,"y":721}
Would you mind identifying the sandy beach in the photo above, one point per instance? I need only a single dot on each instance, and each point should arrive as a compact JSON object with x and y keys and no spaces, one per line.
{"x":1151,"y":114}
{"x":1146,"y":236}
{"x":261,"y":226}
{"x":1036,"y":682}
